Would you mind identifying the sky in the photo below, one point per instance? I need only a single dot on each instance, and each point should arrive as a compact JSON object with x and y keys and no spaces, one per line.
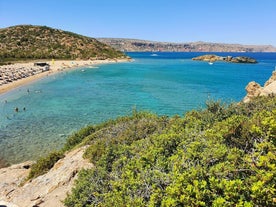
{"x":222,"y":21}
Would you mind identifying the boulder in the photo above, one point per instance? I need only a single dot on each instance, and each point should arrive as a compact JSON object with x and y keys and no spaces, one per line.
{"x":45,"y":190}
{"x":254,"y":89}
{"x":228,"y":58}
{"x":208,"y":58}
{"x":269,"y":89}
{"x":243,"y":59}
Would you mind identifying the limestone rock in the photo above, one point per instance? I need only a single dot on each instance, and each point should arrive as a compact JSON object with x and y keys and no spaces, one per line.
{"x":11,"y":178}
{"x":46,"y":190}
{"x":208,"y":58}
{"x":254,"y":89}
{"x":271,"y":79}
{"x":243,"y":60}
{"x":228,"y":58}
{"x":269,"y":89}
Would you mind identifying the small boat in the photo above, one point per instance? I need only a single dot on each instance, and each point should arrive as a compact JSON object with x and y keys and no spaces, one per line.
{"x":211,"y":63}
{"x":154,"y":55}
{"x":92,"y":66}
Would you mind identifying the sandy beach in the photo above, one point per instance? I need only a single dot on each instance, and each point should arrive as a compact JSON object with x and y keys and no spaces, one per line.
{"x":13,"y":73}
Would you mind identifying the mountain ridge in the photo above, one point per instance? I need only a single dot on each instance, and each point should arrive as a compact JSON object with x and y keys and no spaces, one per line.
{"x":137,"y":45}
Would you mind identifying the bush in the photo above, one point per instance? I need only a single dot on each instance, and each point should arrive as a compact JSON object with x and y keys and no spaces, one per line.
{"x":43,"y":165}
{"x":77,"y":138}
{"x":221,"y":156}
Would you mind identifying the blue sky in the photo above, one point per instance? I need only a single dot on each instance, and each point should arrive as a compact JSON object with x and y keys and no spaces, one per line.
{"x":225,"y":21}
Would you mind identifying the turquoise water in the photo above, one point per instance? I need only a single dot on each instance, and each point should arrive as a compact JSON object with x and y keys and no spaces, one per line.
{"x":169,"y":83}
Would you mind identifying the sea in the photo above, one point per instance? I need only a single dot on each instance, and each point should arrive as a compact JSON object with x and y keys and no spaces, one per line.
{"x":165,"y":83}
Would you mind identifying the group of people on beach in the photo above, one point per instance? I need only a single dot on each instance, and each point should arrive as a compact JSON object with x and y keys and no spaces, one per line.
{"x":10,"y":73}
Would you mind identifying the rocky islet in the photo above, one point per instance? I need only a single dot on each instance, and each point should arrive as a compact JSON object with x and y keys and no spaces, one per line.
{"x":230,"y":59}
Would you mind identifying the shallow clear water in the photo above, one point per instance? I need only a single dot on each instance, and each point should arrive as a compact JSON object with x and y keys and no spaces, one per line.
{"x":169,"y":83}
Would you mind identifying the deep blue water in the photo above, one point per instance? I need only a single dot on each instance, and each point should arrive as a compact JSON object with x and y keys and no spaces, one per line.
{"x":166,"y":83}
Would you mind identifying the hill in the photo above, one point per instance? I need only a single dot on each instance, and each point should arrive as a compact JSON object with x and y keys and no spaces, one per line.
{"x":26,"y":42}
{"x":134,"y":45}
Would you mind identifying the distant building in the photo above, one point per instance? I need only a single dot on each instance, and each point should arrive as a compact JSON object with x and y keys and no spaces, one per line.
{"x":41,"y":64}
{"x":46,"y":66}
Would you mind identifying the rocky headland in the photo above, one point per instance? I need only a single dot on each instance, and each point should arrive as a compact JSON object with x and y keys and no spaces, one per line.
{"x":254,"y":89}
{"x":230,"y":59}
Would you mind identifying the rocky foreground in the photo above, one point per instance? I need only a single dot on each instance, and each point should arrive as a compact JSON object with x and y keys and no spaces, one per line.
{"x":230,"y":59}
{"x":46,"y":190}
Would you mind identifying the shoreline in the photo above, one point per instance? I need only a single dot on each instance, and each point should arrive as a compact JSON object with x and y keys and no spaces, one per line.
{"x":56,"y":66}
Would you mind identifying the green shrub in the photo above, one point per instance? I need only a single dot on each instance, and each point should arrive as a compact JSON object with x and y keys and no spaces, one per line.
{"x":221,"y":156}
{"x":77,"y":137}
{"x":44,"y":164}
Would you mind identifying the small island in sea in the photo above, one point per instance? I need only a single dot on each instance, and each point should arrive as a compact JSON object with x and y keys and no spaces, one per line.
{"x":229,"y":59}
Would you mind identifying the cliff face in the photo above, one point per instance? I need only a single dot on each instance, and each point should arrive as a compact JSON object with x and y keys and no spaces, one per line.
{"x":254,"y":89}
{"x":46,"y":190}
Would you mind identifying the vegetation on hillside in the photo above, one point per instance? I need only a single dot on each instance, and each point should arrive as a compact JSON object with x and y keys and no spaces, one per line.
{"x":220,"y":156}
{"x":224,"y":155}
{"x":44,"y":164}
{"x":27,"y":42}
